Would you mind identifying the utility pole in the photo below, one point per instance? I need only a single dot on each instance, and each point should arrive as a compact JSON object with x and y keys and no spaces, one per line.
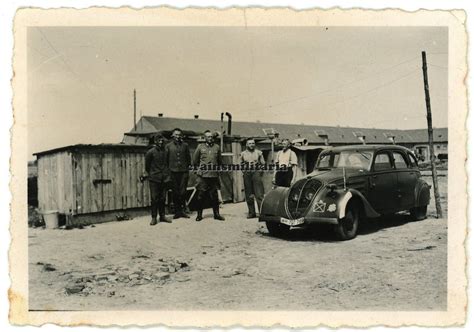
{"x":134,"y":110}
{"x":434,"y":173}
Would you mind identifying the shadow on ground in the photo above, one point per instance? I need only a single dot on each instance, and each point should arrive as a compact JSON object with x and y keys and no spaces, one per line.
{"x":325,"y":233}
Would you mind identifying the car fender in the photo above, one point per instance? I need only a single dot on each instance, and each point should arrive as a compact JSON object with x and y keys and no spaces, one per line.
{"x":352,"y":194}
{"x":274,"y":202}
{"x":422,"y":193}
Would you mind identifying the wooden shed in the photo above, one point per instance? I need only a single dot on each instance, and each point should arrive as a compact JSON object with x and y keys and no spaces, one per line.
{"x":81,"y":180}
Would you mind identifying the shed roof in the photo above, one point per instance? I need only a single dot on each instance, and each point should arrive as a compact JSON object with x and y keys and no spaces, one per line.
{"x":94,"y":148}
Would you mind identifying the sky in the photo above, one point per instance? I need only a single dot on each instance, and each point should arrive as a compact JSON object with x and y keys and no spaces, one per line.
{"x":81,"y":79}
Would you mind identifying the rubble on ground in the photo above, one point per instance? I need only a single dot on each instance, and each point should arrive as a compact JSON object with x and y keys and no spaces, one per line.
{"x":110,"y":279}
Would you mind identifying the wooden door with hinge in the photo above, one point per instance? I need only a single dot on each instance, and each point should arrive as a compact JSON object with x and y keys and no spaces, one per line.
{"x":135,"y":193}
{"x":109,"y":181}
{"x":88,"y":190}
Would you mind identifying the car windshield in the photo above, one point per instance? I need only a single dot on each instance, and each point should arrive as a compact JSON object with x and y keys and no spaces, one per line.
{"x":345,"y":159}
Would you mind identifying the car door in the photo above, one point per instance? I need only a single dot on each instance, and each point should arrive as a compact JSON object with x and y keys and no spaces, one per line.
{"x":382,"y":182}
{"x":406,"y":180}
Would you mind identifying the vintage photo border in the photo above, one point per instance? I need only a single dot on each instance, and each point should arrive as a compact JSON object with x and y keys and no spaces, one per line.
{"x":165,"y":16}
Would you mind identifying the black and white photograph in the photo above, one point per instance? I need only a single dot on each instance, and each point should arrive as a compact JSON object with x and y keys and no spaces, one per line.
{"x":259,"y":168}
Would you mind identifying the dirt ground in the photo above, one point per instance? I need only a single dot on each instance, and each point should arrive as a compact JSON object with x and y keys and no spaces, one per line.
{"x":393,"y":264}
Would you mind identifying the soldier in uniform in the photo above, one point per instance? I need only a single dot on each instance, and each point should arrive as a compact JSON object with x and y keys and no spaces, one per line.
{"x":179,"y":159}
{"x":158,"y":174}
{"x":251,"y":158}
{"x":206,"y":155}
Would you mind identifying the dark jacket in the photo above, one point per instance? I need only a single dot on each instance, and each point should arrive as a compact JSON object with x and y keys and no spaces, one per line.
{"x":178,"y":156}
{"x":207,"y":155}
{"x":156,"y":165}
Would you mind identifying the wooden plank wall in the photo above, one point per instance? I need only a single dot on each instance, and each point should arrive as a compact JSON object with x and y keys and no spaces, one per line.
{"x":120,"y":188}
{"x":301,"y":167}
{"x":55,"y":183}
{"x":237,"y":177}
{"x":268,"y":176}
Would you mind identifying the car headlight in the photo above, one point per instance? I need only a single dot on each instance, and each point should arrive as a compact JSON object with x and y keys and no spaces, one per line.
{"x":309,"y":195}
{"x":295,"y":196}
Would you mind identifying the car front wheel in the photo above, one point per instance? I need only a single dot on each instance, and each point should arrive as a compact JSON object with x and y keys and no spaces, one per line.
{"x":347,"y":227}
{"x":418,"y":213}
{"x":277,"y":229}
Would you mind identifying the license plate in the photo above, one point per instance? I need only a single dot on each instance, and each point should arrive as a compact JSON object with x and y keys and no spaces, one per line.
{"x":292,"y":222}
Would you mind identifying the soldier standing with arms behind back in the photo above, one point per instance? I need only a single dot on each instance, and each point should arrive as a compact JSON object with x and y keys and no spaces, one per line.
{"x":158,"y":174}
{"x":253,"y":184}
{"x":206,"y":155}
{"x":179,"y":159}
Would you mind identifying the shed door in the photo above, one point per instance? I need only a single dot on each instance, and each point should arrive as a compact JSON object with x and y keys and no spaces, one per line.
{"x":129,"y":191}
{"x":88,"y":192}
{"x":109,"y":181}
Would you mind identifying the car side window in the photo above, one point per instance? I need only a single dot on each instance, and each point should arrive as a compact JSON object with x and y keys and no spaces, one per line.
{"x":399,"y":160}
{"x":382,"y":161}
{"x":324,"y":161}
{"x":412,"y":161}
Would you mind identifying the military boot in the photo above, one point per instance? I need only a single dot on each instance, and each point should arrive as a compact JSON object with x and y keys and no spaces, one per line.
{"x":217,"y":215}
{"x":199,"y":215}
{"x":161,"y":209}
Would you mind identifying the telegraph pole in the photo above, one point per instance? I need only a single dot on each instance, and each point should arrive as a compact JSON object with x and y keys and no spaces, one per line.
{"x":134,"y":110}
{"x":434,"y":173}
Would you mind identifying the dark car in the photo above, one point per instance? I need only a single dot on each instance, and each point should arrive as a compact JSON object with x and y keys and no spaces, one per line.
{"x":349,"y":183}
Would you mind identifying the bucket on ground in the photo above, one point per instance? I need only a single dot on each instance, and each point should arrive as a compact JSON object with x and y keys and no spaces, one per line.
{"x":51,"y":219}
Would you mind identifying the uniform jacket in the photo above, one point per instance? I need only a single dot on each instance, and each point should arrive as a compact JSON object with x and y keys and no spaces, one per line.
{"x":207,"y":155}
{"x":178,"y":156}
{"x":156,"y":165}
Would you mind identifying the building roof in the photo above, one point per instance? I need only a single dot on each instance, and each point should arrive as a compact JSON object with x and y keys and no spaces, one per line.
{"x":94,"y":148}
{"x":314,"y":134}
{"x":368,"y":147}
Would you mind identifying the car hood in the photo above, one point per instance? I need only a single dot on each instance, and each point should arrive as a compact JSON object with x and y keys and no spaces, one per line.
{"x":333,"y":174}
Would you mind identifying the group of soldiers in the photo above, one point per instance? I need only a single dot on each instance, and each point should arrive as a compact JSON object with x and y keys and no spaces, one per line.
{"x":168,"y":165}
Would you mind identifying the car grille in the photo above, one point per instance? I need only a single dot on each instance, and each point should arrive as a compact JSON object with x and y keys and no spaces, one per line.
{"x":297,"y":198}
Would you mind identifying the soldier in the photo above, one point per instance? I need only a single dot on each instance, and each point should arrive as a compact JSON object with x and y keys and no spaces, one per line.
{"x":252,"y":158}
{"x":179,"y":159}
{"x":285,"y":157}
{"x":158,"y":175}
{"x":206,"y":156}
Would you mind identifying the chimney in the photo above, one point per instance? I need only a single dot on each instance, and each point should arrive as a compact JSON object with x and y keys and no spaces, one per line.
{"x":229,"y":123}
{"x":196,"y":116}
{"x":362,"y":139}
{"x":160,"y":115}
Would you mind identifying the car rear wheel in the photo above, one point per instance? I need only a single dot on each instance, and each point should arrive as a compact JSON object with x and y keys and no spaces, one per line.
{"x":419,"y":212}
{"x":277,"y":229}
{"x":347,"y":227}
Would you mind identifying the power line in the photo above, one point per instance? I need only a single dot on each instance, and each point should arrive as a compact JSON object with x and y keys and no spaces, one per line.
{"x":46,"y":61}
{"x":405,"y":117}
{"x":60,"y":55}
{"x":368,"y":91}
{"x":68,"y":67}
{"x":334,"y":88}
{"x":437,"y":66}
